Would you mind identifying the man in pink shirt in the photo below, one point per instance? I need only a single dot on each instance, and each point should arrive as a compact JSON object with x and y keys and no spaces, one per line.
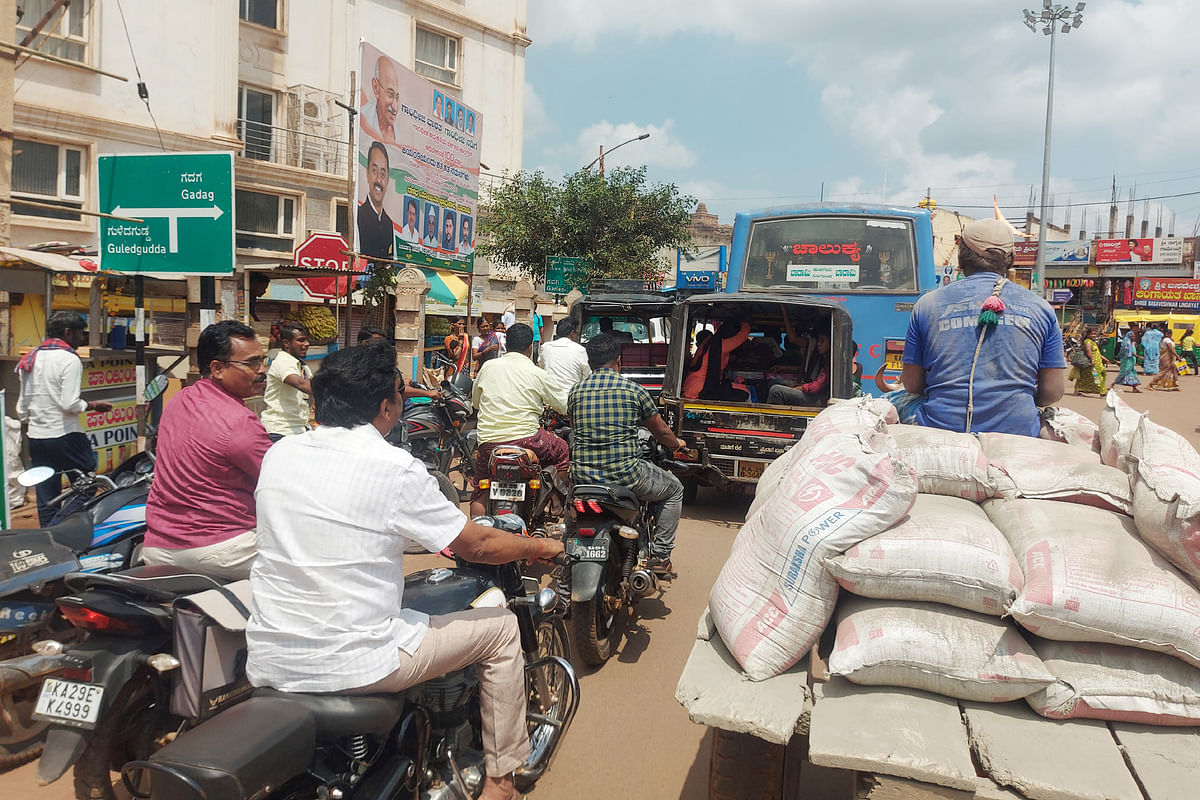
{"x":201,"y":513}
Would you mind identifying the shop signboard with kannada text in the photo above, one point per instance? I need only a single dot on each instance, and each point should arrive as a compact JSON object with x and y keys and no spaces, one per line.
{"x":185,"y":202}
{"x":416,"y":180}
{"x":1139,"y":251}
{"x":1182,"y":293}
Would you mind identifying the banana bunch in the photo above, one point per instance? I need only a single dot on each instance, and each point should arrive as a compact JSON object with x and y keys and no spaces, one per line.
{"x":319,"y":321}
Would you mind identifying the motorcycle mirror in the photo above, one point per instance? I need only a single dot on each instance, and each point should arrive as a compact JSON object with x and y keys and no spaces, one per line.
{"x":155,"y":387}
{"x":35,"y":475}
{"x":547,"y":599}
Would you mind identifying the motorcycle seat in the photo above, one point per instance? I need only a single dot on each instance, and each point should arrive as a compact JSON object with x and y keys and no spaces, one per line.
{"x":512,"y":451}
{"x":75,"y":531}
{"x":160,"y":582}
{"x":244,"y":751}
{"x":339,"y":715}
{"x":603,"y":492}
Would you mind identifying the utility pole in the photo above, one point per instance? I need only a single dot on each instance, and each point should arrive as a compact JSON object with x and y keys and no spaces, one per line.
{"x":8,"y":63}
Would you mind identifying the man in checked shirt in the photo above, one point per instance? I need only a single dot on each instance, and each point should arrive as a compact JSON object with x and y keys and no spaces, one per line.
{"x":606,"y":410}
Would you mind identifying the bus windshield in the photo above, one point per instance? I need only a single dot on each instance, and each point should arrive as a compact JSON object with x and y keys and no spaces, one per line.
{"x":843,"y":254}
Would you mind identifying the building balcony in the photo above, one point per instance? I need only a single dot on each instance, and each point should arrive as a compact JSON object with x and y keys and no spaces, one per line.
{"x":292,"y":148}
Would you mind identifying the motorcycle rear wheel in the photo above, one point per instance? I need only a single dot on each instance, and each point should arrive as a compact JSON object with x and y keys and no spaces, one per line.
{"x":593,"y":630}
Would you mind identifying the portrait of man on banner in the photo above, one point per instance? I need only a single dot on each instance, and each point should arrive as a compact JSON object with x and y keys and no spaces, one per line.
{"x":449,"y":223}
{"x":431,"y":238}
{"x":379,"y":116}
{"x":465,"y":247}
{"x":411,"y":232}
{"x":376,"y":233}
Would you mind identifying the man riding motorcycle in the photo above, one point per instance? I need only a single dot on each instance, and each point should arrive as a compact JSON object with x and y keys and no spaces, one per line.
{"x":336,"y":507}
{"x":510,"y":393}
{"x":606,"y":410}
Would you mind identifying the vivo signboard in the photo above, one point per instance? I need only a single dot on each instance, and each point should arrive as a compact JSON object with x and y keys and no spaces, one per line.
{"x":698,"y":269}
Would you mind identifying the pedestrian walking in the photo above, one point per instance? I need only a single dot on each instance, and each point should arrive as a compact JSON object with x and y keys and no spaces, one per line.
{"x":288,"y":388}
{"x":1128,"y":357}
{"x":1189,"y":351}
{"x":1167,"y":379}
{"x":51,"y":376}
{"x":1151,"y":342}
{"x":1090,"y":379}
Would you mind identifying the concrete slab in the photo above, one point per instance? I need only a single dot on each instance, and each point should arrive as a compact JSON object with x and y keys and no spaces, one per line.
{"x":1165,"y":760}
{"x":717,"y":693}
{"x":899,"y":732}
{"x":1048,"y":760}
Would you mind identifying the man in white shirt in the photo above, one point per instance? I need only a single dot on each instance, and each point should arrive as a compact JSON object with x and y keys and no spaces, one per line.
{"x":336,"y":507}
{"x":510,"y":394}
{"x":411,"y":232}
{"x":288,"y":387}
{"x":51,"y":378}
{"x":564,"y":359}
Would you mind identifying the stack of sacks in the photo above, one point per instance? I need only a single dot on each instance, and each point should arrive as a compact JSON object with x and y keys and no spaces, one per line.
{"x":1166,"y":494}
{"x":861,"y":414}
{"x":774,"y":597}
{"x":1070,"y":427}
{"x":1024,"y":467}
{"x":946,"y":463}
{"x":1118,"y":423}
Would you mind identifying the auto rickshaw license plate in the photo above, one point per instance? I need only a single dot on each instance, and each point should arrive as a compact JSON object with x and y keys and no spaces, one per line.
{"x":750,"y":469}
{"x":894,"y":362}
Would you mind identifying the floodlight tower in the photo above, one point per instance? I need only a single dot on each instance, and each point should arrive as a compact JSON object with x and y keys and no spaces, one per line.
{"x":1048,"y":19}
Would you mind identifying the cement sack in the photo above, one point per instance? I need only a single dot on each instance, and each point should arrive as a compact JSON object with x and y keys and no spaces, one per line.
{"x":773,"y":597}
{"x":12,"y":461}
{"x":1037,"y":469}
{"x":945,"y":551}
{"x":845,"y":416}
{"x":1118,"y":422}
{"x":1166,"y":494}
{"x":1070,"y":427}
{"x":935,"y":649}
{"x":945,"y":462}
{"x":1104,"y":681}
{"x":1089,"y":577}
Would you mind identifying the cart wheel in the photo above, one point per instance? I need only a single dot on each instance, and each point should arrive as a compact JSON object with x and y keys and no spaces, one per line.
{"x":744,"y":767}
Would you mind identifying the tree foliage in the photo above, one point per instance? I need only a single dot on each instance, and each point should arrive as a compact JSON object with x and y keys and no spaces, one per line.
{"x":616,"y":220}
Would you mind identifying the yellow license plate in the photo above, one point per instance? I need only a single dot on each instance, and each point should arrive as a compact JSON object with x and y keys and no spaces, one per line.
{"x":750,"y":469}
{"x":894,"y":361}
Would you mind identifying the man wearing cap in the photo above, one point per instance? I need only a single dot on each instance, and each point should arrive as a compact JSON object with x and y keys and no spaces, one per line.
{"x":983,"y":353}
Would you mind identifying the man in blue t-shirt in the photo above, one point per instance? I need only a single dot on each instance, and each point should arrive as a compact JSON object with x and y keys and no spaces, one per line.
{"x":1020,"y":366}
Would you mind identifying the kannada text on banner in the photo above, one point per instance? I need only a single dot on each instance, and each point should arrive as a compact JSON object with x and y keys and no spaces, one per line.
{"x":417,"y":181}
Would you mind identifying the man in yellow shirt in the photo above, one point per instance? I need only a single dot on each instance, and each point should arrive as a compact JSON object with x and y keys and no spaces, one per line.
{"x":288,"y":387}
{"x":510,"y":393}
{"x":1188,"y":345}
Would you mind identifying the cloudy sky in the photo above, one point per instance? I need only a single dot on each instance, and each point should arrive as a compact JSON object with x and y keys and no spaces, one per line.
{"x":756,"y":103}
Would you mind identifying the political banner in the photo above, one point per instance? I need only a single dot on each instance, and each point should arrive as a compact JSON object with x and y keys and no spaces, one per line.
{"x":417,"y":177}
{"x":1182,"y":293}
{"x":1139,"y":251}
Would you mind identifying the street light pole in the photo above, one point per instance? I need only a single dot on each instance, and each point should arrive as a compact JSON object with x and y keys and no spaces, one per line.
{"x":1048,"y":19}
{"x":600,"y":157}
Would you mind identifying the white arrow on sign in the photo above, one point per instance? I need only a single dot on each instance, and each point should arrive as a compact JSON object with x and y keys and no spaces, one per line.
{"x":172,"y":215}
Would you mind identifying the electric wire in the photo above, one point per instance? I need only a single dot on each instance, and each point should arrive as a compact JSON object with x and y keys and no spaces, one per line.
{"x":143,"y":92}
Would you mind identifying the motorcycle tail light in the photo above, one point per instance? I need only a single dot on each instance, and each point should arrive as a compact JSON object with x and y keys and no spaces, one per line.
{"x":587,"y":532}
{"x":89,"y":619}
{"x":580,"y":507}
{"x":594,"y":507}
{"x":535,"y":483}
{"x":83,"y":674}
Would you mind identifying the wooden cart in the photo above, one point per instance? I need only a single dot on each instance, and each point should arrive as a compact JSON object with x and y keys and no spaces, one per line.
{"x":801,"y":735}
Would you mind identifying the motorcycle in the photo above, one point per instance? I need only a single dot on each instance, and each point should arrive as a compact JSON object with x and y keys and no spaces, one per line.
{"x":440,"y":434}
{"x":423,"y":744}
{"x":100,"y":530}
{"x":608,"y":532}
{"x":517,"y":483}
{"x":105,"y":695}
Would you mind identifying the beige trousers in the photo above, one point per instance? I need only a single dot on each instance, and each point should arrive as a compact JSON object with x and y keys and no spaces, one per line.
{"x":488,"y":637}
{"x":230,"y":559}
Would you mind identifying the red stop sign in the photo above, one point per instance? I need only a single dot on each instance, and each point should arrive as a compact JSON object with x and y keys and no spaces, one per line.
{"x":323,"y":251}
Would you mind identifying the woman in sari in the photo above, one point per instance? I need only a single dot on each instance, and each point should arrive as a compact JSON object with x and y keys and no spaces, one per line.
{"x":1167,"y":379}
{"x":1090,"y":379}
{"x":1128,"y":355}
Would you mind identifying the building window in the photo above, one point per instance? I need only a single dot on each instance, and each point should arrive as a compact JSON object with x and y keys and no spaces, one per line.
{"x":260,"y":12}
{"x":47,"y":173}
{"x":340,"y":223}
{"x":256,"y":112}
{"x":64,"y":34}
{"x":265,"y":221}
{"x":437,"y":56}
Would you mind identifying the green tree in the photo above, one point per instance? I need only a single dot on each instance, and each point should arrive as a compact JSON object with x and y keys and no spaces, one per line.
{"x":615,"y":219}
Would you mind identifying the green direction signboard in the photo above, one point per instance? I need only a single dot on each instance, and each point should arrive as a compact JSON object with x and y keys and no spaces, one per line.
{"x":560,"y":270}
{"x":185,"y":202}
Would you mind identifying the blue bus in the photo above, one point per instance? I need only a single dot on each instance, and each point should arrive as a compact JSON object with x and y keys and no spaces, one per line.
{"x":875,"y":260}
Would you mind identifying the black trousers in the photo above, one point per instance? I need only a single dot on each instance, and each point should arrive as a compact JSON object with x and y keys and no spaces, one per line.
{"x":72,"y":451}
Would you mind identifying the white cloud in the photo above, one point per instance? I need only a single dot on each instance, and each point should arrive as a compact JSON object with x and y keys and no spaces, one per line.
{"x":663,"y":149}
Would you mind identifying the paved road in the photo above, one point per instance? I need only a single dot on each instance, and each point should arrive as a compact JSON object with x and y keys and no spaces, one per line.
{"x":630,"y":738}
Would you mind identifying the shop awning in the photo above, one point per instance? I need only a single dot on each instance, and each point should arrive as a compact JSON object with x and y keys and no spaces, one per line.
{"x":49,"y":261}
{"x":446,"y":287}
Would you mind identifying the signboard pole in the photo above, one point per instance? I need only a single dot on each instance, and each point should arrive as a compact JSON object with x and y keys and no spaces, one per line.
{"x":139,"y":349}
{"x":352,"y":112}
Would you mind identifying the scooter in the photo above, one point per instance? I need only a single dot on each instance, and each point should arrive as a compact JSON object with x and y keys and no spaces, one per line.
{"x":423,"y":744}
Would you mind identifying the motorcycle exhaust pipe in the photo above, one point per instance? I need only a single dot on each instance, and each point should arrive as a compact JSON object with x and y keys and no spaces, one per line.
{"x":643,"y":582}
{"x":20,"y":673}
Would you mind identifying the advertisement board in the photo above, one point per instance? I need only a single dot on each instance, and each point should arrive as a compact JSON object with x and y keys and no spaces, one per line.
{"x":698,"y":268}
{"x":417,"y":177}
{"x":113,"y":434}
{"x":1183,"y":293}
{"x":1065,"y":253}
{"x":1139,"y":251}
